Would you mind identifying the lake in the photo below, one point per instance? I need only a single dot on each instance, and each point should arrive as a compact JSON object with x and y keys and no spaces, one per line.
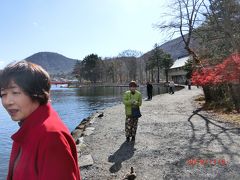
{"x":72,"y":104}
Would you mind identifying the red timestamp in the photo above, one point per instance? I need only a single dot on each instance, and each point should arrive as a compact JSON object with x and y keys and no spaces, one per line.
{"x":206,"y":162}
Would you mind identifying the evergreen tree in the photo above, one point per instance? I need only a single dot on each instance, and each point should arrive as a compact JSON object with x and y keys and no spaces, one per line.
{"x":165,"y":63}
{"x":91,"y":68}
{"x":150,"y":64}
{"x":155,"y":59}
{"x":76,"y":70}
{"x":220,"y":34}
{"x":160,"y":60}
{"x":188,"y":68}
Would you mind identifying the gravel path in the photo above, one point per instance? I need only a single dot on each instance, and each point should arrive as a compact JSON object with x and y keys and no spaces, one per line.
{"x":175,"y":140}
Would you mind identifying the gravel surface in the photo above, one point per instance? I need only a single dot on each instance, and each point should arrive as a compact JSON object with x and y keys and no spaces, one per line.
{"x":175,"y":140}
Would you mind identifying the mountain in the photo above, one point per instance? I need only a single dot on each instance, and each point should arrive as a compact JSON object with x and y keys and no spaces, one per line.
{"x":54,"y":63}
{"x":57,"y":64}
{"x":173,"y":47}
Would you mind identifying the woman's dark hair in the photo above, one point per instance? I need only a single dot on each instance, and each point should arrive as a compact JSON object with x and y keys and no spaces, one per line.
{"x":30,"y":77}
{"x":133,"y":84}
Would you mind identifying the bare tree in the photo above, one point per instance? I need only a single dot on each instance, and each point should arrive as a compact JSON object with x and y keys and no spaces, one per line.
{"x":130,"y":53}
{"x":189,"y":14}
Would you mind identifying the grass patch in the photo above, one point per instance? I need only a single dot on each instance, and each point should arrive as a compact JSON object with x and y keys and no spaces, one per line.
{"x":200,"y":98}
{"x":223,"y":111}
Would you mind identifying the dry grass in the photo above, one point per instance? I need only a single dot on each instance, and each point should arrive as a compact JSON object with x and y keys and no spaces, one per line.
{"x":200,"y":98}
{"x":231,"y":117}
{"x":222,"y":113}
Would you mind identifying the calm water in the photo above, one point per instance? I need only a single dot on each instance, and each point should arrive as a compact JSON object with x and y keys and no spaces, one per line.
{"x":72,"y":105}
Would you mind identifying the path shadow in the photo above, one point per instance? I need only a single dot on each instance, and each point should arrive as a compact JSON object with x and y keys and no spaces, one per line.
{"x":124,"y":153}
{"x":214,"y":136}
{"x":199,"y":147}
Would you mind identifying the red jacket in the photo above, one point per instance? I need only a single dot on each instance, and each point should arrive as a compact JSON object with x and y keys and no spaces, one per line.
{"x":43,"y":149}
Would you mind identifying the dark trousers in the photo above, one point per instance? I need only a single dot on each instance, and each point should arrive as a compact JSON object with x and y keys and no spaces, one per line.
{"x":149,"y":93}
{"x":171,"y":91}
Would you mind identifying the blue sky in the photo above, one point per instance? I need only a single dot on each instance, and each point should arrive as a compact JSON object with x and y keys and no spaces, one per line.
{"x":77,"y":28}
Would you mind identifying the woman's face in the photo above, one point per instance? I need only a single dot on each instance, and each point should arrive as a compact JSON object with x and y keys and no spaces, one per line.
{"x":132,"y":88}
{"x":17,"y":103}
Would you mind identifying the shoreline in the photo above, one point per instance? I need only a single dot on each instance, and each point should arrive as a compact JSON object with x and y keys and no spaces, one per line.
{"x":79,"y":130}
{"x":163,"y":84}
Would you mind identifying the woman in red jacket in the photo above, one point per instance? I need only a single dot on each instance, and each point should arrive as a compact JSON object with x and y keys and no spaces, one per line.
{"x":43,"y":148}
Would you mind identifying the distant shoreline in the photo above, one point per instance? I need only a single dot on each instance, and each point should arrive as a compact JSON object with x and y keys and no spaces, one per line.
{"x":164,"y":84}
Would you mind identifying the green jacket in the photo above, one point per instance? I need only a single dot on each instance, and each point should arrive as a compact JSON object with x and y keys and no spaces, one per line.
{"x":128,"y":99}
